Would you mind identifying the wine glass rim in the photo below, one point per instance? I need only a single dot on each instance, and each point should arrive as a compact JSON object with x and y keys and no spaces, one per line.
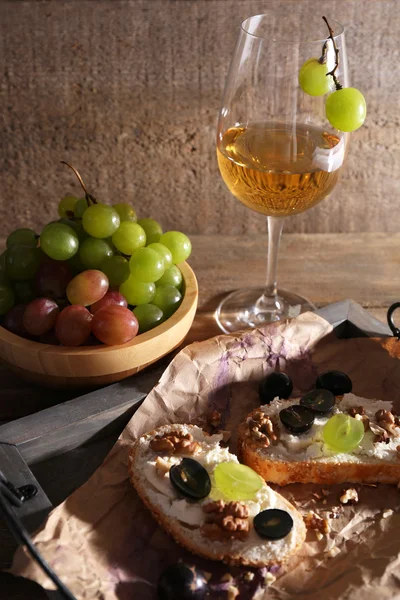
{"x":337,"y":27}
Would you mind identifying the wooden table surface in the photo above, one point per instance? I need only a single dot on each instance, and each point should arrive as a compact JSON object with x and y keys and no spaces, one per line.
{"x":324,"y":267}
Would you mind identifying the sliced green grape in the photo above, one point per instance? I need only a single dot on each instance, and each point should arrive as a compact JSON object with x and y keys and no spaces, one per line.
{"x":313,"y":78}
{"x":153,"y":230}
{"x":168,"y":298}
{"x":117,"y":270}
{"x":22,"y":262}
{"x":129,"y":237}
{"x":149,"y":316}
{"x":6,"y":299}
{"x":346,"y":109}
{"x":66,"y":206}
{"x":146,"y":265}
{"x":172,"y":276}
{"x":24,"y":237}
{"x":236,"y":481}
{"x":93,"y":252}
{"x":137,"y":292}
{"x":80,"y":208}
{"x":162,"y":251}
{"x":126,"y":212}
{"x":100,"y":220}
{"x":343,"y":433}
{"x":179,"y":245}
{"x":59,"y":241}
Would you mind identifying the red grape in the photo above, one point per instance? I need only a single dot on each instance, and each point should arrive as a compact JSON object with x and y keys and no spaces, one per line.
{"x":111,"y":297}
{"x":40,"y":316}
{"x":52,"y":278}
{"x":87,"y":288}
{"x":114,"y":324}
{"x":74,"y":325}
{"x":13,"y":320}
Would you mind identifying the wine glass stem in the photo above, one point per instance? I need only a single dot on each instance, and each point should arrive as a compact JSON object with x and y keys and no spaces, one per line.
{"x":269,"y":301}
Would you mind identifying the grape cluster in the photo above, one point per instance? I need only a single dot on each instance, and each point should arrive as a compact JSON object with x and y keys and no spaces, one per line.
{"x":98,"y":274}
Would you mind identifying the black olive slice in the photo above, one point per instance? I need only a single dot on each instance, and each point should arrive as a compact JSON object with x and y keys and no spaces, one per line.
{"x":273,"y":524}
{"x":182,"y":581}
{"x":297,"y":419}
{"x":275,"y":385}
{"x":320,"y":401}
{"x":190,"y":479}
{"x":335,"y":381}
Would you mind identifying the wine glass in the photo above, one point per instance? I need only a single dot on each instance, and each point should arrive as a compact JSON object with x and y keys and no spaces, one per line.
{"x":277,"y":152}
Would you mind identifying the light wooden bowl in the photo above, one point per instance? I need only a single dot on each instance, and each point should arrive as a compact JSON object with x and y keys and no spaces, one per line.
{"x":60,"y":367}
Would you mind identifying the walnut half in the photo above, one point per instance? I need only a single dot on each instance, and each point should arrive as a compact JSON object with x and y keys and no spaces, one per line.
{"x":225,"y":521}
{"x":261,"y":428}
{"x":174,"y":442}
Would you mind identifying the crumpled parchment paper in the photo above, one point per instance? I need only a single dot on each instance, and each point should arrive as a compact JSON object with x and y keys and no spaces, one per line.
{"x":104,"y":544}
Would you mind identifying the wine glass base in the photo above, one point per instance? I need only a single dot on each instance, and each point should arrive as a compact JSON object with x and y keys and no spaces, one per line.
{"x":239,"y":309}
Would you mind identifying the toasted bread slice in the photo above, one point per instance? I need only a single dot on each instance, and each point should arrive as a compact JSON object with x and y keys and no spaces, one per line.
{"x":305,"y":458}
{"x":182,"y":518}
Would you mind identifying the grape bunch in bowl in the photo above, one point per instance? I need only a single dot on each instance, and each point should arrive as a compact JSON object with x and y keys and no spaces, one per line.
{"x":98,"y":274}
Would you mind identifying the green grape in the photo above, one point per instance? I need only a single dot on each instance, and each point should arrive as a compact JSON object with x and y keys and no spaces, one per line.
{"x":6,"y":299}
{"x":100,"y":220}
{"x":312,"y":78}
{"x":153,"y":230}
{"x":80,"y":208}
{"x":162,"y":251}
{"x":24,"y":237}
{"x":236,"y":481}
{"x":137,"y":292}
{"x":76,"y":264}
{"x":172,"y":276}
{"x":129,"y":237}
{"x":343,"y":433}
{"x":168,"y":298}
{"x":146,"y":265}
{"x":117,"y":270}
{"x":22,"y":262}
{"x":66,"y":206}
{"x":59,"y":241}
{"x":76,"y":226}
{"x":23,"y":291}
{"x":93,"y":252}
{"x":346,"y":109}
{"x":179,"y":245}
{"x":149,"y":316}
{"x":3,"y":261}
{"x":126,"y":212}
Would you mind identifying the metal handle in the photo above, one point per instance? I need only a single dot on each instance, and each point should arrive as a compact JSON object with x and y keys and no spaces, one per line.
{"x":395,"y":330}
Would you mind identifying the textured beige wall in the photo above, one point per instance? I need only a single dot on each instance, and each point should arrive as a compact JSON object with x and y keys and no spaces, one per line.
{"x":129,"y":91}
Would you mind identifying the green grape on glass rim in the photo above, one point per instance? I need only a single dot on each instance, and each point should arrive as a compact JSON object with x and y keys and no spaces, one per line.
{"x":137,"y":292}
{"x":152,"y":228}
{"x":22,"y":262}
{"x":100,"y":220}
{"x":172,"y":276}
{"x":343,"y":433}
{"x":313,"y":78}
{"x":80,"y":208}
{"x":59,"y":241}
{"x":66,"y":206}
{"x":93,"y":252}
{"x":146,"y":265}
{"x":24,"y":236}
{"x":236,"y":481}
{"x":6,"y":299}
{"x":129,"y":237}
{"x":168,"y":298}
{"x":162,"y":251}
{"x":117,"y":270}
{"x":149,"y":316}
{"x":346,"y":109}
{"x":179,"y":245}
{"x":126,"y":212}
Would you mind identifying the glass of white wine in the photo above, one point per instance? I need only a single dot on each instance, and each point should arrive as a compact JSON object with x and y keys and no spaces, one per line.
{"x":277,"y":152}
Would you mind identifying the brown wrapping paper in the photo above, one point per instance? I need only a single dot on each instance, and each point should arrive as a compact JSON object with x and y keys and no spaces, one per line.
{"x":105,"y":545}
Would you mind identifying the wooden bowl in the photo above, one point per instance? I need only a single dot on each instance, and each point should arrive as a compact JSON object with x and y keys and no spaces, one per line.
{"x":60,"y":367}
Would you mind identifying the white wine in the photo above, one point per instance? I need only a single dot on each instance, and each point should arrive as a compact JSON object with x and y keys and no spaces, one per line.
{"x":279,"y":171}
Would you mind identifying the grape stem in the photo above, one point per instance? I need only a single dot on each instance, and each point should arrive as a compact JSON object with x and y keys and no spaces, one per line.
{"x":336,"y":49}
{"x":89,"y":197}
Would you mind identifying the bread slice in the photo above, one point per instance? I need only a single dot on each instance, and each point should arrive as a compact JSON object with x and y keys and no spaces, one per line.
{"x":182,"y":518}
{"x":306,"y":459}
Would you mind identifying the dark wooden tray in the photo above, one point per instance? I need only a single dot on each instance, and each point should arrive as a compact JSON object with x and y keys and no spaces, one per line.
{"x":57,"y":449}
